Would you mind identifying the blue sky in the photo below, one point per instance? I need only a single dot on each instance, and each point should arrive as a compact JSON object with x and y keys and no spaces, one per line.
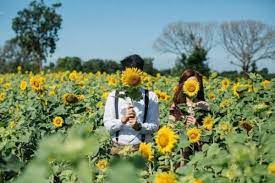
{"x":113,"y":29}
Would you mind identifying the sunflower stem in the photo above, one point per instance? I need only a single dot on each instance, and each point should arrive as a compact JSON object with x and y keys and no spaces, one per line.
{"x":171,"y":165}
{"x":150,"y":168}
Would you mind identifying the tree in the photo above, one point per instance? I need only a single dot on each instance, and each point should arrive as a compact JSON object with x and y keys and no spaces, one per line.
{"x":69,"y":63}
{"x":93,"y":65}
{"x":11,"y":55}
{"x":181,"y":38}
{"x":110,"y":66}
{"x":196,"y":60}
{"x":248,"y":42}
{"x":2,"y":62}
{"x":149,"y":67}
{"x":185,"y":38}
{"x":36,"y":29}
{"x":50,"y":67}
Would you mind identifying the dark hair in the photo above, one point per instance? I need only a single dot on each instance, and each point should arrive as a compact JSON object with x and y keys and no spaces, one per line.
{"x":132,"y":61}
{"x":179,"y":96}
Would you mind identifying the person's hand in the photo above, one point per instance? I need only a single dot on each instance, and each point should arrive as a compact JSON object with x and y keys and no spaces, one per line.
{"x":172,"y":118}
{"x":134,"y":124}
{"x":130,"y":113}
{"x":191,"y":120}
{"x":132,"y":121}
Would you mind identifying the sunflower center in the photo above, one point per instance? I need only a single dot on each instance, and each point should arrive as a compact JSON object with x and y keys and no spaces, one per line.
{"x":163,"y":140}
{"x":191,"y":88}
{"x":224,"y":127}
{"x":193,"y":135}
{"x":36,"y":84}
{"x":135,"y":80}
{"x":71,"y":98}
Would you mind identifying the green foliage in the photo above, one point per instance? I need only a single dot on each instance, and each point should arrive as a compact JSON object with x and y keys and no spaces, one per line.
{"x":95,"y":65}
{"x":69,"y":63}
{"x":196,"y":60}
{"x":239,"y":147}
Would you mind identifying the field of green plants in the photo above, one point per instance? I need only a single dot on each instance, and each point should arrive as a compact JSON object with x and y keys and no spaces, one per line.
{"x":51,"y":130}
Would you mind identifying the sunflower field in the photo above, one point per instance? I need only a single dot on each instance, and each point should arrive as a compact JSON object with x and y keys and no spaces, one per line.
{"x":51,"y":130}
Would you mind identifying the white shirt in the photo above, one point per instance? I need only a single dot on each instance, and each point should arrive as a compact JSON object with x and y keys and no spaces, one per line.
{"x":127,"y":135}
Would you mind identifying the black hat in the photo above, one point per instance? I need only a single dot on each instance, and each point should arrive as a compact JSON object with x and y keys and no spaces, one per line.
{"x":132,"y":61}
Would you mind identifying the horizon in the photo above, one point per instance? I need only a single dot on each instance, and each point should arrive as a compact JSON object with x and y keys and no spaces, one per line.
{"x":101,"y":30}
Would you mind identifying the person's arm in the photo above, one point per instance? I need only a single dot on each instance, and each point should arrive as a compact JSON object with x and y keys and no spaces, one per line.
{"x":152,"y":121}
{"x":175,"y":113}
{"x":171,"y":112}
{"x":109,"y":119}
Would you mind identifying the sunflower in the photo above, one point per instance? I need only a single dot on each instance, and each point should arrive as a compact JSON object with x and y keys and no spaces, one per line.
{"x":165,"y":177}
{"x":12,"y":124}
{"x":245,"y":125}
{"x":112,"y":81}
{"x":208,"y":122}
{"x":146,"y":78}
{"x":235,"y":89}
{"x":132,"y":77}
{"x":271,"y":168}
{"x":225,"y":83}
{"x":19,"y":68}
{"x":175,"y":88}
{"x":23,"y":85}
{"x":197,"y":181}
{"x":238,"y":89}
{"x":73,"y":76}
{"x":224,"y":103}
{"x":102,"y":164}
{"x":7,"y":86}
{"x":162,"y":95}
{"x":265,"y":84}
{"x":194,"y":134}
{"x":105,"y":95}
{"x":80,"y":97}
{"x":37,"y":83}
{"x":166,"y":139}
{"x":225,"y":127}
{"x":98,"y":74}
{"x":100,"y":104}
{"x":191,"y":87}
{"x":70,"y":98}
{"x":81,"y":84}
{"x":212,"y":96}
{"x":2,"y":97}
{"x":51,"y":93}
{"x":146,"y":151}
{"x":58,"y":122}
